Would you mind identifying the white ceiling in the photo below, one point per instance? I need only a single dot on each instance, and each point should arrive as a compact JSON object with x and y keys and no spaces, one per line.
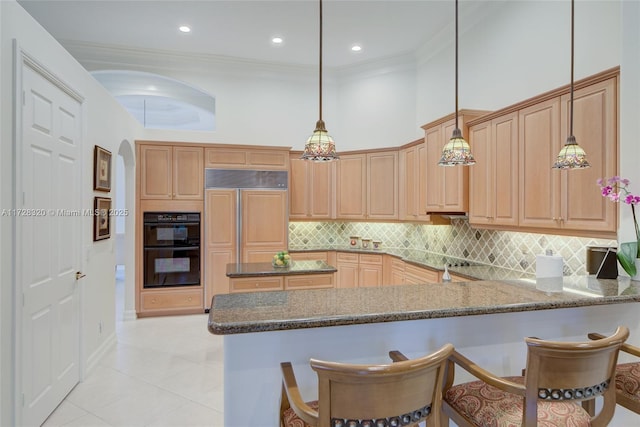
{"x":244,"y":28}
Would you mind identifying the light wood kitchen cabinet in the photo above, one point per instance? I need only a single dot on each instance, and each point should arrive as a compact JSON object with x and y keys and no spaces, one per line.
{"x":171,"y":301}
{"x":311,"y":189}
{"x":414,"y":275}
{"x":569,"y":200}
{"x":367,"y":186}
{"x":351,"y":186}
{"x":393,"y":271}
{"x":256,"y":284}
{"x":247,"y":157}
{"x":413,"y":182}
{"x":358,"y":270}
{"x":493,"y":180}
{"x":447,"y":187}
{"x":220,"y":242}
{"x":310,"y":256}
{"x":171,"y":172}
{"x":266,"y":233}
{"x":308,"y":281}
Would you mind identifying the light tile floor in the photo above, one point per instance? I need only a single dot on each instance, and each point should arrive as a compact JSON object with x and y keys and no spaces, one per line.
{"x":164,"y":371}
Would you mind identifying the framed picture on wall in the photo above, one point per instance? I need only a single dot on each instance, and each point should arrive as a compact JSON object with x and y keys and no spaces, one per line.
{"x":101,"y":169}
{"x":101,"y":218}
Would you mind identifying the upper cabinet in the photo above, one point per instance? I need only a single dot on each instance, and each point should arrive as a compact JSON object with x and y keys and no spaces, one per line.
{"x":413,"y":182}
{"x":447,"y":187}
{"x":171,"y":172}
{"x":311,"y":189}
{"x":513,"y":185}
{"x":367,"y":185}
{"x":247,"y":157}
{"x":493,"y":180}
{"x":569,"y":200}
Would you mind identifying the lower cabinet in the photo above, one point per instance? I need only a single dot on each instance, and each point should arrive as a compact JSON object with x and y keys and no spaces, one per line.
{"x":358,"y":270}
{"x":255,"y":284}
{"x":308,"y":281}
{"x":310,"y":256}
{"x":172,"y":301}
{"x":414,"y":275}
{"x":393,"y":271}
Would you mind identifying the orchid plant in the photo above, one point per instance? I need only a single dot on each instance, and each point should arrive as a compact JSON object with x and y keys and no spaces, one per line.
{"x":615,"y":189}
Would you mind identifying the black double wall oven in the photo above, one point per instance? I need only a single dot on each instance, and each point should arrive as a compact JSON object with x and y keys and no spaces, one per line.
{"x":171,"y":249}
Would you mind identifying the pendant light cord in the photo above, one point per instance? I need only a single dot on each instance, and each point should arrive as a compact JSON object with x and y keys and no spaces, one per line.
{"x":571,"y":88}
{"x":320,"y":62}
{"x":456,"y":52}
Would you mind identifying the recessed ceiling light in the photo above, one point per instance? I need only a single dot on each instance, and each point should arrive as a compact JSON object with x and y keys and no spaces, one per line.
{"x":185,"y":28}
{"x":356,"y":48}
{"x":277,"y":40}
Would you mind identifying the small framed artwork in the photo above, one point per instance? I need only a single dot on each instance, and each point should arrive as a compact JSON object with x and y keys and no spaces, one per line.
{"x":101,"y":169}
{"x":101,"y":219}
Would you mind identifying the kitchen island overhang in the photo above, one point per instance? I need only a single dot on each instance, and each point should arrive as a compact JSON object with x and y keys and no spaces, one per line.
{"x":285,"y":310}
{"x":486,"y":320}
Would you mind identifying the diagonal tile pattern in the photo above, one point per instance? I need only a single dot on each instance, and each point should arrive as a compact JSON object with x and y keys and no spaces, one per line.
{"x":506,"y":249}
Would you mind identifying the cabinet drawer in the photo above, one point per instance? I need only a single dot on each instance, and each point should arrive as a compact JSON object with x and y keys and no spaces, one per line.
{"x":171,"y":299}
{"x":309,"y":256}
{"x":370,"y":259}
{"x":309,"y":281}
{"x":347,"y":257}
{"x":256,"y":284}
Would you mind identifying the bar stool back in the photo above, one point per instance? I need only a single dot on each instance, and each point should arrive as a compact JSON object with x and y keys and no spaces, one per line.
{"x":402,"y":393}
{"x":627,"y":378}
{"x":558,"y":376}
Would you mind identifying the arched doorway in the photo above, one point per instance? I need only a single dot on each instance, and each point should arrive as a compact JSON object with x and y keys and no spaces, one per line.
{"x":125,"y":229}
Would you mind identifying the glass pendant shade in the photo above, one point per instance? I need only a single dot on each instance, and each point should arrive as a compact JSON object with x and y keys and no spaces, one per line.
{"x":572,"y":156}
{"x":320,"y":146}
{"x":456,"y":151}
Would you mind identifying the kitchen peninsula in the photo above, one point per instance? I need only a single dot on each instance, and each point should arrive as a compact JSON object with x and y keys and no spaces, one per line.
{"x":486,"y":320}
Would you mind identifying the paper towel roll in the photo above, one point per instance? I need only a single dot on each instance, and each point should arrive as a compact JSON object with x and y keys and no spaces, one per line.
{"x":549,"y":266}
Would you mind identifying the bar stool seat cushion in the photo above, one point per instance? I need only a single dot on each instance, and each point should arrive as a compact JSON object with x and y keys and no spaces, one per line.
{"x":489,"y":406}
{"x":628,"y":380}
{"x":290,"y":419}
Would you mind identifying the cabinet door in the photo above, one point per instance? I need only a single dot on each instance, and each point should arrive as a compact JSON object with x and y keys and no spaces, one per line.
{"x":481,"y":177}
{"x":322,"y":194}
{"x":504,"y":136}
{"x":351,"y":185}
{"x":188,"y":173}
{"x":264,"y":223}
{"x":155,"y":172}
{"x":220,"y":239}
{"x":369,"y":275}
{"x":408,"y":207}
{"x":434,"y":173}
{"x":455,"y":192}
{"x":298,"y":189}
{"x":595,"y":125}
{"x":382,"y":185}
{"x":347,"y":275}
{"x":539,"y":143}
{"x":421,"y":187}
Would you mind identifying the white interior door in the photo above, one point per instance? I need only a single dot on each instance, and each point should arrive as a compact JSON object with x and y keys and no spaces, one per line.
{"x":49,"y":239}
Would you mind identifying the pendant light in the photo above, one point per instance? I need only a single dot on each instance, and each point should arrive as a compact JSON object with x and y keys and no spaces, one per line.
{"x":320,"y":145}
{"x":457,"y":150}
{"x":572,"y":156}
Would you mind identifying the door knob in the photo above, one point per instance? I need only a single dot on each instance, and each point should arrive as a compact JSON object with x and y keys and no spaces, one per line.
{"x":79,"y":275}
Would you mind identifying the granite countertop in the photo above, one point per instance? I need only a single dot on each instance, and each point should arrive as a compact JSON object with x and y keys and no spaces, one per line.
{"x":255,"y":269}
{"x":298,"y":309}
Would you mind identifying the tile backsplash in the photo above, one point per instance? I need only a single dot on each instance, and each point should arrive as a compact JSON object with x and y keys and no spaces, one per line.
{"x":507,"y":249}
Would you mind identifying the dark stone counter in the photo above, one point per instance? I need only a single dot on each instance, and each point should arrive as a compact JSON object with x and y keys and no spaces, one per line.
{"x":257,"y":269}
{"x":299,"y":309}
